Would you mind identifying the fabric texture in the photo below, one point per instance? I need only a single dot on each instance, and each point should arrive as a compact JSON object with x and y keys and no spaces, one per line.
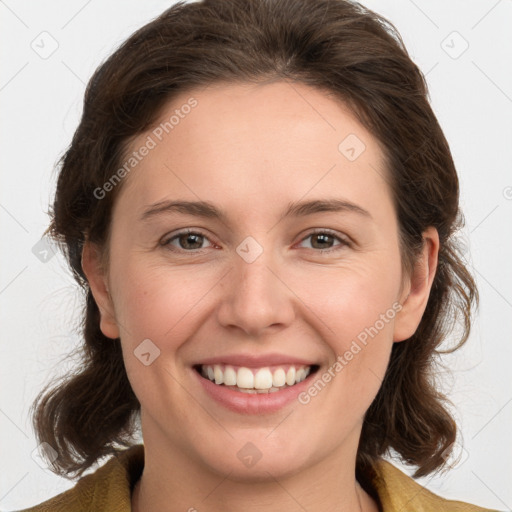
{"x":109,"y":489}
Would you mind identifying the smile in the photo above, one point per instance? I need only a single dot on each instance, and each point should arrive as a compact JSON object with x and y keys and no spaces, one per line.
{"x":256,"y":380}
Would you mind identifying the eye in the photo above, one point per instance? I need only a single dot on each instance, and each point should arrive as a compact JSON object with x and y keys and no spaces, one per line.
{"x":187,"y":241}
{"x":191,"y":241}
{"x":325,"y":241}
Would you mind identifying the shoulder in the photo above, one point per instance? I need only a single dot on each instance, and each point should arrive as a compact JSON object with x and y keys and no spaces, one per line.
{"x":398,"y":491}
{"x":107,"y":489}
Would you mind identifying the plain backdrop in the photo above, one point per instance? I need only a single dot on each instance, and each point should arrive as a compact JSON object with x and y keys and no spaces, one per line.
{"x":50,"y":49}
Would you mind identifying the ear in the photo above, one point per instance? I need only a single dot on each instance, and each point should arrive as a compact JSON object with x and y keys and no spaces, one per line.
{"x":417,"y":287}
{"x":96,"y":276}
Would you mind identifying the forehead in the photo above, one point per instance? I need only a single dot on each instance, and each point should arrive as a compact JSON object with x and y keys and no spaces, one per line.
{"x":255,"y":141}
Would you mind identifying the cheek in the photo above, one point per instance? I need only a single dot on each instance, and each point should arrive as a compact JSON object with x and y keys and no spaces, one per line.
{"x":352,"y":299}
{"x":356,"y":308}
{"x":158,"y":302}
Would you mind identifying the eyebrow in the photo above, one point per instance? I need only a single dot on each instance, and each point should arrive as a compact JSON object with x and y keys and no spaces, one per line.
{"x":210,"y":211}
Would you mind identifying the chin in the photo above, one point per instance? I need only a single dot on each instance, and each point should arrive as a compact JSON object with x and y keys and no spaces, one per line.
{"x":253,"y":457}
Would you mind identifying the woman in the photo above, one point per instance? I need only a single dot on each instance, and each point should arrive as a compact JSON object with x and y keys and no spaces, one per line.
{"x":259,"y":203}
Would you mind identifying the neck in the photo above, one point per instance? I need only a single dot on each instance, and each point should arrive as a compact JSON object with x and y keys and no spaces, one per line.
{"x":140,"y":503}
{"x":324,"y":486}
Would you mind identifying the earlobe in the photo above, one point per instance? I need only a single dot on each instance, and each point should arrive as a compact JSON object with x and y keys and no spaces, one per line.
{"x":97,"y":279}
{"x":418,"y":289}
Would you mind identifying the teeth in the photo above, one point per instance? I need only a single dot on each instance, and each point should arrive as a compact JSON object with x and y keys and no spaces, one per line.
{"x":229,"y":376}
{"x":300,"y":375}
{"x":254,"y":381}
{"x":244,"y":378}
{"x":279,"y":378}
{"x":290,"y":376}
{"x":263,"y":379}
{"x":217,"y":373}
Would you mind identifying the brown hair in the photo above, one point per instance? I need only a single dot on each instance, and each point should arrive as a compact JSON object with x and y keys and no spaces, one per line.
{"x":338,"y":46}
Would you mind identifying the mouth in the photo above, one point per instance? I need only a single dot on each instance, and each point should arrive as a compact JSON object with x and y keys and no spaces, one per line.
{"x":263,"y":380}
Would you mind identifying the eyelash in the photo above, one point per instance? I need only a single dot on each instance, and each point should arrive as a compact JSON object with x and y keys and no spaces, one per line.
{"x":343,"y":241}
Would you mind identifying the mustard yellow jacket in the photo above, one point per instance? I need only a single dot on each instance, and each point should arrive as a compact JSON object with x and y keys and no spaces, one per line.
{"x":109,"y":490}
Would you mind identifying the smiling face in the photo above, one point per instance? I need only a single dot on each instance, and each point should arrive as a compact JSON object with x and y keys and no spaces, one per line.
{"x":291,"y":257}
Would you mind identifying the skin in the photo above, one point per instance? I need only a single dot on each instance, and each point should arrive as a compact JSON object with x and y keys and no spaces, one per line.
{"x":252,"y":150}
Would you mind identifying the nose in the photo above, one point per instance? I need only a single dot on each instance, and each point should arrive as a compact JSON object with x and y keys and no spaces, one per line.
{"x":255,"y":297}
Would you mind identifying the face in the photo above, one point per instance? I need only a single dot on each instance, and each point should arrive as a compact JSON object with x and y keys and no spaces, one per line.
{"x":256,"y":241}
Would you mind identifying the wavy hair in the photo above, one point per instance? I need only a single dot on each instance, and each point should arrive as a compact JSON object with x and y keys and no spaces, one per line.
{"x":338,"y":46}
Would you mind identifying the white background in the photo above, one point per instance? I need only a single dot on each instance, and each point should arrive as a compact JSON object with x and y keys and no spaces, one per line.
{"x":41,"y":104}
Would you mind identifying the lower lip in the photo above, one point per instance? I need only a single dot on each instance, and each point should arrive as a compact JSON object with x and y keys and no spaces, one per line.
{"x":253,"y":403}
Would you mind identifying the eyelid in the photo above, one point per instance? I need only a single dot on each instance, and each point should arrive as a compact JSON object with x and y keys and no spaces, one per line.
{"x":343,"y":239}
{"x":165,"y":242}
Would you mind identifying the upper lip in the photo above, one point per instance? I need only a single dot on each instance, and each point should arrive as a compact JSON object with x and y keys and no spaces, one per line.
{"x":255,"y":361}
